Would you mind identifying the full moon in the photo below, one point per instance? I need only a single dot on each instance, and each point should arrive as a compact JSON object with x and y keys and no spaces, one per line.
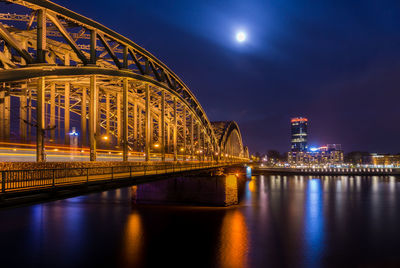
{"x":240,"y":37}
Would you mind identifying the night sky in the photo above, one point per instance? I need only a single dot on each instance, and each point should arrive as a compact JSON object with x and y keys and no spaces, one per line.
{"x":335,"y":62}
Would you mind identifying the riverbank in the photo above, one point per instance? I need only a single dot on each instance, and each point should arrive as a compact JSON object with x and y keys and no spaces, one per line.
{"x":328,"y":171}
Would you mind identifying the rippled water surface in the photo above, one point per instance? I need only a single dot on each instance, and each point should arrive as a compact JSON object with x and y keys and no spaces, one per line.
{"x":281,"y":222}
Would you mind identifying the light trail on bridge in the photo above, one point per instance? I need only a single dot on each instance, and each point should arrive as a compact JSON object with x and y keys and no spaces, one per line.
{"x":19,"y":153}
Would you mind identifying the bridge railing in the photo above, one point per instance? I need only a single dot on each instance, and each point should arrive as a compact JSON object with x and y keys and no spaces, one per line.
{"x":34,"y":179}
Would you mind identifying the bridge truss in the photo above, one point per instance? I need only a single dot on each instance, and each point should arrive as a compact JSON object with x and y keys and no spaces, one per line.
{"x":62,"y":70}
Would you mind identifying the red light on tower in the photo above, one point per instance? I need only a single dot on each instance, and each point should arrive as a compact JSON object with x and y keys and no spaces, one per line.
{"x":299,"y":119}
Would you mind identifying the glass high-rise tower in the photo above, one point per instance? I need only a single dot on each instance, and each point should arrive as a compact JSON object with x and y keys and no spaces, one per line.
{"x":299,"y":134}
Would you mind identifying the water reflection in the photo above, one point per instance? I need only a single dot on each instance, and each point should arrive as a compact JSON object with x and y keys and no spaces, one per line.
{"x":248,"y":172}
{"x":133,"y":240}
{"x":233,"y":240}
{"x":314,"y":221}
{"x":283,"y":221}
{"x":252,"y":185}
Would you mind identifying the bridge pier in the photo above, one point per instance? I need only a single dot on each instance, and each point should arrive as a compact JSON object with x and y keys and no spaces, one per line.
{"x":202,"y":189}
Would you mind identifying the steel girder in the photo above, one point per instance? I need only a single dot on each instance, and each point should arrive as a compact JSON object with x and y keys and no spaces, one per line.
{"x":64,"y":47}
{"x":133,"y":58}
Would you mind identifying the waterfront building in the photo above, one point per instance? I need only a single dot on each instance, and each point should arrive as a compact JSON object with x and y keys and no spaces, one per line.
{"x":299,"y":134}
{"x":331,"y":154}
{"x":385,"y":160}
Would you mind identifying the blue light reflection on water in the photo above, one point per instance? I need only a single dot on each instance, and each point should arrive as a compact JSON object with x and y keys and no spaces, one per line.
{"x":35,"y":232}
{"x":248,"y":172}
{"x":314,"y":222}
{"x":73,"y":221}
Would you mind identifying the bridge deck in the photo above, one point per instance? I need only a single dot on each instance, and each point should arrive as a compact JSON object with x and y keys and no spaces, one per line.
{"x":14,"y":181}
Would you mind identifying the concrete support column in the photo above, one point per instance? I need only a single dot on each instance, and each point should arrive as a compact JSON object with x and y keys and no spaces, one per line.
{"x":40,"y":117}
{"x":147,"y":123}
{"x":125,"y":120}
{"x":119,"y":126}
{"x":53,"y":110}
{"x":175,"y":133}
{"x":66,"y":112}
{"x":93,"y":117}
{"x":83,"y":117}
{"x":162,"y":127}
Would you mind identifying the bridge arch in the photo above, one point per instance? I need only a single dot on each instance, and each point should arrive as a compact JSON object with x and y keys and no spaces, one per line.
{"x":229,"y":139}
{"x":62,"y":65}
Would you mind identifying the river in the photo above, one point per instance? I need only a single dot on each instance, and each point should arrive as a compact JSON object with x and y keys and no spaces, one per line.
{"x":281,"y":221}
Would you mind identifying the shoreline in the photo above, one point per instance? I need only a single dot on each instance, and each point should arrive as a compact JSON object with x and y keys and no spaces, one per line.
{"x":329,"y":171}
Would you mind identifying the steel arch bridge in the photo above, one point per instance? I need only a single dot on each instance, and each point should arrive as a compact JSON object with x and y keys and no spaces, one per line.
{"x":61,"y":72}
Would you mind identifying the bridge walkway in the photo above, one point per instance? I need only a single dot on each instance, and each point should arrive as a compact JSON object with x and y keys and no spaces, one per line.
{"x":19,"y":181}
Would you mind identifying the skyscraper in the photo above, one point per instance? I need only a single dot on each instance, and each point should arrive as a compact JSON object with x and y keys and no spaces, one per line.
{"x":299,"y":134}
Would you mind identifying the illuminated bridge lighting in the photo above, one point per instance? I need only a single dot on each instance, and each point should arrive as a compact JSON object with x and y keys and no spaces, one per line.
{"x":94,"y":89}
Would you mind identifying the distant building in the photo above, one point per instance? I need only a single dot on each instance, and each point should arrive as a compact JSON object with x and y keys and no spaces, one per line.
{"x":299,"y":134}
{"x":300,"y":154}
{"x":385,"y":160}
{"x":330,"y":154}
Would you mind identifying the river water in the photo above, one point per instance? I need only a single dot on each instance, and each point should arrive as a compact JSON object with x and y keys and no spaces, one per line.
{"x":281,"y":221}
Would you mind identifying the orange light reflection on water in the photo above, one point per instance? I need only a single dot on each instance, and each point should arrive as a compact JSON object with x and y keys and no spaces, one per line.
{"x":233,"y":240}
{"x":132,"y":249}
